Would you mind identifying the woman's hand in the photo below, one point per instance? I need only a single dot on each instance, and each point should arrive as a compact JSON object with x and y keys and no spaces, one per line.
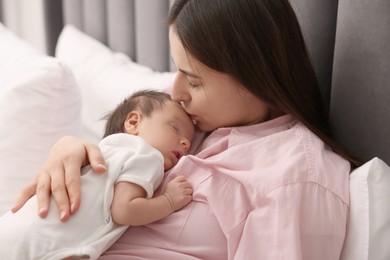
{"x":60,"y":176}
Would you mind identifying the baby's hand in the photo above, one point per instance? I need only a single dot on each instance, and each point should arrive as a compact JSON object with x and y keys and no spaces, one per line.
{"x":178,"y":193}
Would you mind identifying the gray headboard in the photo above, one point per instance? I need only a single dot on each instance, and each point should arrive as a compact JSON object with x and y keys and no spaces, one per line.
{"x":348,"y":41}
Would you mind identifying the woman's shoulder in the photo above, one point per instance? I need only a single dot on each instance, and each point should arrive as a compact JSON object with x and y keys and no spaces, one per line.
{"x":283,"y":153}
{"x":275,"y":154}
{"x":324,"y":166}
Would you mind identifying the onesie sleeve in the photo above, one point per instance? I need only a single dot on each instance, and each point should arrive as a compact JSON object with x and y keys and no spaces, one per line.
{"x":139,"y":162}
{"x":145,"y":170}
{"x":294,"y":222}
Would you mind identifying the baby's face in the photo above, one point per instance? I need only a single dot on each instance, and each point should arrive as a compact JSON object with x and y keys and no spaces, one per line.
{"x":169,"y":130}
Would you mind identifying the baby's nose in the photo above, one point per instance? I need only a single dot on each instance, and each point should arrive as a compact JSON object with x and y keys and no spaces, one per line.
{"x":185,"y":143}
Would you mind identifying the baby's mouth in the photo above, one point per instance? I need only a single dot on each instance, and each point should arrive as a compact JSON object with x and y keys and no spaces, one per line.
{"x":177,"y":154}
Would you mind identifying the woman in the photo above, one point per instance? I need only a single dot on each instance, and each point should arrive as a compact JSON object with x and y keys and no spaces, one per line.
{"x":268,"y":180}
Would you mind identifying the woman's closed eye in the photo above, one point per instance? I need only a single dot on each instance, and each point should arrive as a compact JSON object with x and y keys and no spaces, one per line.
{"x":193,"y":82}
{"x":192,"y":85}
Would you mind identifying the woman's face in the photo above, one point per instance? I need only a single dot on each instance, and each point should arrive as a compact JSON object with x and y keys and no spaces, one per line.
{"x":212,"y":99}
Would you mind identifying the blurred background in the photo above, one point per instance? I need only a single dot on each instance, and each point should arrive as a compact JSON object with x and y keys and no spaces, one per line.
{"x":348,"y":41}
{"x":28,"y":19}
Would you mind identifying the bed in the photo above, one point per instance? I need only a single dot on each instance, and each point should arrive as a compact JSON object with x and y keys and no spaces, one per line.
{"x":104,"y":49}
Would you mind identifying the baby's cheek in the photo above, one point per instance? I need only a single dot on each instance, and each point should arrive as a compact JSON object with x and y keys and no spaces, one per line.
{"x":168,"y":164}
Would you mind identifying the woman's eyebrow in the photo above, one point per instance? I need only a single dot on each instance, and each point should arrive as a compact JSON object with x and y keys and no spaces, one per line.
{"x":190,"y":74}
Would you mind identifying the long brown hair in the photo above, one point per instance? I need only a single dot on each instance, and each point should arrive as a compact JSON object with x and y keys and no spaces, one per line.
{"x":260,"y":44}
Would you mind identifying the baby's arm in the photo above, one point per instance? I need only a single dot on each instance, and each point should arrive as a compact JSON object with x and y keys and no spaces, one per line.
{"x":131,"y":207}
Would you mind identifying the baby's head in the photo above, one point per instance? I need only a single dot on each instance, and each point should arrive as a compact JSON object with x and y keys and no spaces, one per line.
{"x":153,"y":116}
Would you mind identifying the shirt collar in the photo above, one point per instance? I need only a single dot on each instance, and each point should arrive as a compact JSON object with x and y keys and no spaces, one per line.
{"x":229,"y":136}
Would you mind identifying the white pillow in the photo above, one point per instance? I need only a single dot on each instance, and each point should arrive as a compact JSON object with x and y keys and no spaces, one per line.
{"x":39,"y":103}
{"x":368,"y":234}
{"x":105,"y":78}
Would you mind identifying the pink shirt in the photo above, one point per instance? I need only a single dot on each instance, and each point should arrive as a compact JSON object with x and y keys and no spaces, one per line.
{"x":266,"y":191}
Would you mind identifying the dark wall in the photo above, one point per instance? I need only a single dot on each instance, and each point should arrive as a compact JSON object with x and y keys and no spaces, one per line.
{"x":1,"y":10}
{"x":53,"y":22}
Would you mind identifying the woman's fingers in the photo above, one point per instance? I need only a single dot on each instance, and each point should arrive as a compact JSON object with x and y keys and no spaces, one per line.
{"x":27,"y":192}
{"x":60,"y":177}
{"x":72,"y":181}
{"x":72,"y":175}
{"x":65,"y":185}
{"x":43,"y":193}
{"x":95,"y":158}
{"x":59,"y":193}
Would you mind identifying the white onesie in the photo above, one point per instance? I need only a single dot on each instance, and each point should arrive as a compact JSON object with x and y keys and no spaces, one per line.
{"x":90,"y":231}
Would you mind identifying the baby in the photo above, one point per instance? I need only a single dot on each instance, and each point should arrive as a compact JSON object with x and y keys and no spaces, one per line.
{"x":145,"y":135}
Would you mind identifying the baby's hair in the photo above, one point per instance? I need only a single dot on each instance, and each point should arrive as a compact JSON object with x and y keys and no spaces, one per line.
{"x":144,"y":101}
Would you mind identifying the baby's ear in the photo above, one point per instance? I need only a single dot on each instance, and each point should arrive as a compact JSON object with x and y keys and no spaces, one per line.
{"x":132,"y":122}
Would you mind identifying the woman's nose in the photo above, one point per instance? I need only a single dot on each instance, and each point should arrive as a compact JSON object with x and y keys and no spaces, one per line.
{"x":179,"y":93}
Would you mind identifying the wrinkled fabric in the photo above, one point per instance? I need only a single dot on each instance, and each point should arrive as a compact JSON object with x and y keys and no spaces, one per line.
{"x":89,"y":232}
{"x":266,"y":191}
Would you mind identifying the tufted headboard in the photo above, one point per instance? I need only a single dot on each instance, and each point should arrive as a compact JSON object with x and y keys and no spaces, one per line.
{"x":348,"y":41}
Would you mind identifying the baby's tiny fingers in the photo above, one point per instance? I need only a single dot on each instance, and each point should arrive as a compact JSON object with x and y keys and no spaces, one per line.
{"x":180,"y":178}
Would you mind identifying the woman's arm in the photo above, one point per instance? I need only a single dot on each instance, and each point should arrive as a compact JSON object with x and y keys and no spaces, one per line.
{"x":60,"y":176}
{"x":130,"y":207}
